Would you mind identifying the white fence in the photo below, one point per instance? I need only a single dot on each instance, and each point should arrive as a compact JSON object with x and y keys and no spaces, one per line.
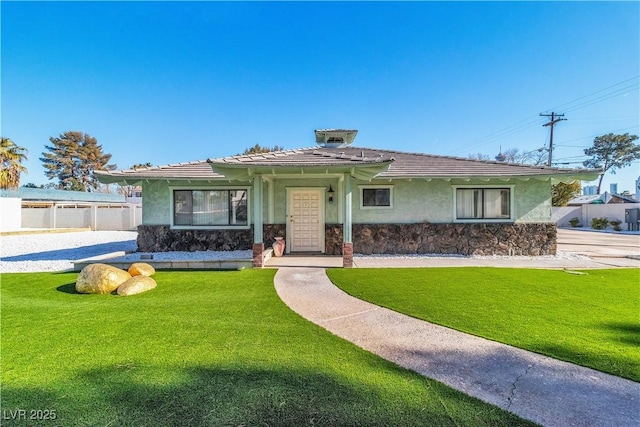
{"x":97,"y":216}
{"x":10,"y":213}
{"x":585,"y":213}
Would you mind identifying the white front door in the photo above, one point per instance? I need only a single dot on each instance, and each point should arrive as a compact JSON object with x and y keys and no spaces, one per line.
{"x":305,"y":220}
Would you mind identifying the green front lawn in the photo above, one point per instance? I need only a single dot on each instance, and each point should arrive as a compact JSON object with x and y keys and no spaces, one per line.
{"x":591,"y":319}
{"x":203,"y":348}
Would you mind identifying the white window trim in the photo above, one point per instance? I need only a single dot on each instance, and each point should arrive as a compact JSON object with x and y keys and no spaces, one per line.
{"x":512,"y":204}
{"x":363,"y":187}
{"x":209,"y":188}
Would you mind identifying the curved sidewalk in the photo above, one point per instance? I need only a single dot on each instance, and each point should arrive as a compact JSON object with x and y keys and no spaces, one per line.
{"x":535,"y":387}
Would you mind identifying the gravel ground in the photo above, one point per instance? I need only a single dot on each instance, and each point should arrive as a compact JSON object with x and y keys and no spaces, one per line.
{"x":57,"y":251}
{"x":559,"y":255}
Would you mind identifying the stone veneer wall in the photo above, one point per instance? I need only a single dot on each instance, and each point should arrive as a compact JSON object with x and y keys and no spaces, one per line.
{"x":461,"y":239}
{"x":161,"y":238}
{"x":271,"y":231}
{"x":421,"y":238}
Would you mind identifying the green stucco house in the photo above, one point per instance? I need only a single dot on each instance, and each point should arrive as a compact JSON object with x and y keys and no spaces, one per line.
{"x":337,"y":199}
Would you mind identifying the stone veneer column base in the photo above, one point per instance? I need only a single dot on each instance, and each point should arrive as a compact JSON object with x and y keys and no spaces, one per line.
{"x":258,"y":249}
{"x":347,"y":255}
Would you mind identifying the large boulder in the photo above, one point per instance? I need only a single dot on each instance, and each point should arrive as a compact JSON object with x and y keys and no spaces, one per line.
{"x":141,"y":269}
{"x":100,"y":279}
{"x":136,"y":285}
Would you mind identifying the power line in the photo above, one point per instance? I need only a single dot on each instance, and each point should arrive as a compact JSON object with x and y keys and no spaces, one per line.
{"x":596,"y":92}
{"x":561,"y":144}
{"x":533,"y":121}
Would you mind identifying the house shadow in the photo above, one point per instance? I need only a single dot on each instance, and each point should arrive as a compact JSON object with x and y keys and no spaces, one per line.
{"x":75,"y":253}
{"x":629,"y":333}
{"x":217,"y":397}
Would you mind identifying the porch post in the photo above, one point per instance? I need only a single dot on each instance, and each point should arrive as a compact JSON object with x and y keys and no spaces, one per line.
{"x":270,"y":202}
{"x":347,"y":244}
{"x":258,"y":244}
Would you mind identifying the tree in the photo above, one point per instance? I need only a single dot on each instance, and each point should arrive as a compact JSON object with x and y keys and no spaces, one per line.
{"x":610,"y":152}
{"x":479,"y":156}
{"x":562,"y":193}
{"x":11,"y":157}
{"x":141,"y":165}
{"x":256,"y":149}
{"x":513,"y":155}
{"x":73,"y":158}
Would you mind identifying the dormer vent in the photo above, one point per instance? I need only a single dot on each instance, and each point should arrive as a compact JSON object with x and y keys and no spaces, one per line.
{"x":334,"y":138}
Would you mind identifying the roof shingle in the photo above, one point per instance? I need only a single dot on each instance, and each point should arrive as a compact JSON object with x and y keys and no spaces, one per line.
{"x":402,"y":165}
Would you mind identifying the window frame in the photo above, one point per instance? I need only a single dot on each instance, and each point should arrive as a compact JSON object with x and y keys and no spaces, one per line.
{"x":175,"y":226}
{"x":376,"y":187}
{"x":511,"y":189}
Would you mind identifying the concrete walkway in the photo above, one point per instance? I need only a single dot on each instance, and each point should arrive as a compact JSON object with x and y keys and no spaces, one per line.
{"x":535,"y":387}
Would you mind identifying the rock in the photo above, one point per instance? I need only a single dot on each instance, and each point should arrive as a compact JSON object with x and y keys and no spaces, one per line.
{"x":141,"y":269}
{"x":136,"y":285}
{"x":100,"y":279}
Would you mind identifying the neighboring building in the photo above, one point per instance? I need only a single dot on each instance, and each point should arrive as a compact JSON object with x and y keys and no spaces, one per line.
{"x":133,"y":194}
{"x":590,"y":190}
{"x":601,"y":199}
{"x":637,"y":189}
{"x":338,"y":199}
{"x":613,"y":188}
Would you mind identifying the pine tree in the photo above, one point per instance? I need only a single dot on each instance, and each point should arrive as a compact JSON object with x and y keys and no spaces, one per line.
{"x":73,"y":158}
{"x":610,"y":152}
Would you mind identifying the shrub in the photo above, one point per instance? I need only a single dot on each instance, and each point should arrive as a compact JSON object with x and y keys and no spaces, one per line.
{"x":575,"y":222}
{"x":616,"y":224}
{"x":599,"y":223}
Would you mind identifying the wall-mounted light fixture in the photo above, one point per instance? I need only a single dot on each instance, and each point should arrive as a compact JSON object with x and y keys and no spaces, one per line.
{"x":330,"y":193}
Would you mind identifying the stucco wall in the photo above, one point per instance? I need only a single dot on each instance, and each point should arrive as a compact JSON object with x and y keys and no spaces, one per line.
{"x":414,"y":201}
{"x":280,"y":197}
{"x":418,"y":201}
{"x":156,"y":202}
{"x":533,"y":201}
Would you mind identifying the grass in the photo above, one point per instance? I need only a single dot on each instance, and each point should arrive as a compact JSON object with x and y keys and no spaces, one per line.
{"x":591,"y":319}
{"x":203,"y":348}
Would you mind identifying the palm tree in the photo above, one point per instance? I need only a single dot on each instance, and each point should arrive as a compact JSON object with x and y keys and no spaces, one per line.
{"x":11,"y":157}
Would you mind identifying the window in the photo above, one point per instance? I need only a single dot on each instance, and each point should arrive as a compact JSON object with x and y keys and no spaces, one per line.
{"x":210,"y":207}
{"x":483,"y":203}
{"x":375,"y":197}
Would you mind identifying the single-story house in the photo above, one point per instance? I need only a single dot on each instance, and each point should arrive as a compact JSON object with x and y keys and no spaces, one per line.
{"x":337,"y":199}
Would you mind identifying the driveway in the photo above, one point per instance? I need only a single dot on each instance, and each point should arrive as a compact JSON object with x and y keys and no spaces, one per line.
{"x":598,"y":244}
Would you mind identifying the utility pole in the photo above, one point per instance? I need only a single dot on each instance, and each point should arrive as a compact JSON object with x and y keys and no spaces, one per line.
{"x":553,"y":121}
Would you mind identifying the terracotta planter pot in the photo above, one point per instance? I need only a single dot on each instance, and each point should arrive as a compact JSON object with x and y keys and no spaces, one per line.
{"x":278,"y":246}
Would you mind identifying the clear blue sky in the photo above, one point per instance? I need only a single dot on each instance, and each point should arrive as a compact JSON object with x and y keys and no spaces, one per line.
{"x":168,"y":82}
